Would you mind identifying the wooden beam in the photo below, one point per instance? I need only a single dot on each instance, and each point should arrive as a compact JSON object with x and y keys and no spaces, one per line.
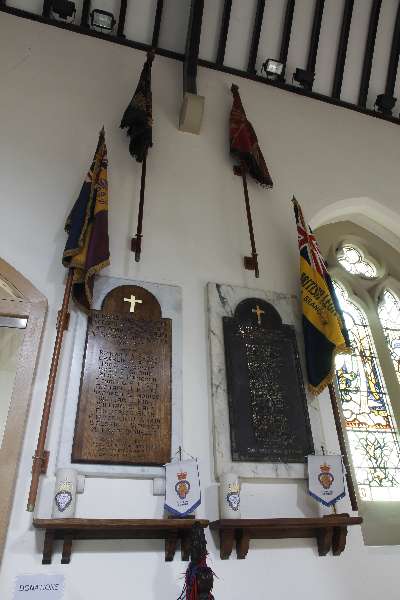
{"x":46,"y":8}
{"x":223,"y":34}
{"x":192,"y":47}
{"x":157,"y":23}
{"x":369,"y":52}
{"x":286,"y":33}
{"x":295,"y":89}
{"x":85,"y":14}
{"x":314,"y":40}
{"x":394,"y":56}
{"x":255,"y":40}
{"x":122,"y":18}
{"x":342,"y":48}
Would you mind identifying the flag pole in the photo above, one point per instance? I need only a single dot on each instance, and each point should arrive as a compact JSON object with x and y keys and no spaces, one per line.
{"x":136,"y":243}
{"x":342,"y":446}
{"x":40,"y":458}
{"x":250,"y":262}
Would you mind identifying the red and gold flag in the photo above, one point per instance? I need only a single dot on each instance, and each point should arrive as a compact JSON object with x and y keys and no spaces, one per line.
{"x":87,"y":248}
{"x":244,"y":143}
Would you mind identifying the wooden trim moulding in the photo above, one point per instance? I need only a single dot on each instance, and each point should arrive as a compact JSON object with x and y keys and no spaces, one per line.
{"x":33,"y":306}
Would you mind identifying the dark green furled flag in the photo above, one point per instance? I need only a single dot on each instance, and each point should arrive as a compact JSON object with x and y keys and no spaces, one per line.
{"x":138,"y":117}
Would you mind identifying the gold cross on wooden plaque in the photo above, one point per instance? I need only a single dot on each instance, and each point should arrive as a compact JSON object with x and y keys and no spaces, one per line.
{"x":133,"y":301}
{"x":258,"y":311}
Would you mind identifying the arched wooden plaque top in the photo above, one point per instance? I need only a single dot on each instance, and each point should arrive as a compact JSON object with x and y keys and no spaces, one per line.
{"x":124,"y":409}
{"x":132,"y":300}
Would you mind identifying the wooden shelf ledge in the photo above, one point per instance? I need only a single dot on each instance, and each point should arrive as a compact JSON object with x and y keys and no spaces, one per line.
{"x":171,"y":530}
{"x":330,"y":532}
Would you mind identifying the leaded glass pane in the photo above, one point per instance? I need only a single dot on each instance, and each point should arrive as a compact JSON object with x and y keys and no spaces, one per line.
{"x":389,"y":314}
{"x":353,"y":260}
{"x":371,"y":429}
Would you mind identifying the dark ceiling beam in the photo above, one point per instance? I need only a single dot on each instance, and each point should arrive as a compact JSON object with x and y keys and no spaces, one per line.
{"x":122,"y":18}
{"x":286,"y":87}
{"x":255,"y":39}
{"x":192,"y":47}
{"x":85,"y":14}
{"x":369,"y":52}
{"x":286,"y":33}
{"x":157,"y":23}
{"x":342,"y":48}
{"x":394,"y":57}
{"x":46,"y":8}
{"x":223,"y":34}
{"x":315,"y":32}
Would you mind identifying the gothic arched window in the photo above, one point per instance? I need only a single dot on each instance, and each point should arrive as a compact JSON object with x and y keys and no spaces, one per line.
{"x":371,"y":428}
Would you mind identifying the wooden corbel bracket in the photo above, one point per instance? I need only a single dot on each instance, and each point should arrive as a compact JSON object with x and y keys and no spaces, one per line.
{"x":329,"y":531}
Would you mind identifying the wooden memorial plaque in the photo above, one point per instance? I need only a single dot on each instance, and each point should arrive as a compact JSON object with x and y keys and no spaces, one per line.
{"x":268,"y":413}
{"x":124,"y":409}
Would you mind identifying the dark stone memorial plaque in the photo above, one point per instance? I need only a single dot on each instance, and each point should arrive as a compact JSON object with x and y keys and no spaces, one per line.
{"x":268,"y":413}
{"x":124,"y":410}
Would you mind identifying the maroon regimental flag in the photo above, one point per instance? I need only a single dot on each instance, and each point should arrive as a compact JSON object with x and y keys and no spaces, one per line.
{"x":244,"y":143}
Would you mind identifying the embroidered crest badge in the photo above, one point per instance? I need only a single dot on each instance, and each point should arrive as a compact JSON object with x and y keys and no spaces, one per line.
{"x":63,"y":497}
{"x":233,"y":497}
{"x":182,"y":487}
{"x":325,"y":477}
{"x":63,"y":500}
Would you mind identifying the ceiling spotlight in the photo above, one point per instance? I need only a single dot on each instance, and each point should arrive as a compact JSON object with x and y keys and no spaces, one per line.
{"x":63,"y":10}
{"x":273,"y":69}
{"x":101,"y":20}
{"x":304,"y":78}
{"x":385,"y":103}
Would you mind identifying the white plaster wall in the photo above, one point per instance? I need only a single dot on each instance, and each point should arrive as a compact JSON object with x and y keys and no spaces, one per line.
{"x":57,"y":89}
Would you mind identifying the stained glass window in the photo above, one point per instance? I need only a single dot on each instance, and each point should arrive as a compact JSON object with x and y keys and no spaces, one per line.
{"x":389,"y":314}
{"x":371,"y":429}
{"x":353,"y":260}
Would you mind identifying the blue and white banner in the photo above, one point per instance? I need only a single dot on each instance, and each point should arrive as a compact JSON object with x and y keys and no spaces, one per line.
{"x":182,"y":487}
{"x":325,"y":478}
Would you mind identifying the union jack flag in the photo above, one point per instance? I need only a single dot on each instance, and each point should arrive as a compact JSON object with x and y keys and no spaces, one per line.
{"x":308,"y":245}
{"x":323,"y":328}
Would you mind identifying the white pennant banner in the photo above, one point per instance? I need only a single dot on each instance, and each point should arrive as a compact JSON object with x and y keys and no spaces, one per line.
{"x":182,"y":487}
{"x":325,"y":478}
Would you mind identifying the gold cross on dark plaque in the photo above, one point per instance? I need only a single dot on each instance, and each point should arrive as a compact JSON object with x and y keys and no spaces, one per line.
{"x":133,"y":301}
{"x":258,"y":311}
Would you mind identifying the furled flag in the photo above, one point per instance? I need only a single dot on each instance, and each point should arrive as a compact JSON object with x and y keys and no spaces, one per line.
{"x":323,"y":327}
{"x":182,"y":487}
{"x":87,"y":250}
{"x":138,"y":116}
{"x":325,"y":478}
{"x":244,"y":143}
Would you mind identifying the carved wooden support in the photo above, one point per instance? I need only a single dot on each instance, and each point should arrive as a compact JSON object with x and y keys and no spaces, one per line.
{"x":48,"y":547}
{"x":242,"y":543}
{"x":339,"y":540}
{"x":330,"y":532}
{"x":171,"y":543}
{"x":227,"y":537}
{"x":67,"y":530}
{"x":324,"y":540}
{"x":67,"y":549}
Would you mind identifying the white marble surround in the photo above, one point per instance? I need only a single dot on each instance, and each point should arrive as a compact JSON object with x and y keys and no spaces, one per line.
{"x":222,"y":301}
{"x":170,"y":299}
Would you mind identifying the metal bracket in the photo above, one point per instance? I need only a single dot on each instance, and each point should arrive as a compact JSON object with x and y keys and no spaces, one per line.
{"x":251,"y":264}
